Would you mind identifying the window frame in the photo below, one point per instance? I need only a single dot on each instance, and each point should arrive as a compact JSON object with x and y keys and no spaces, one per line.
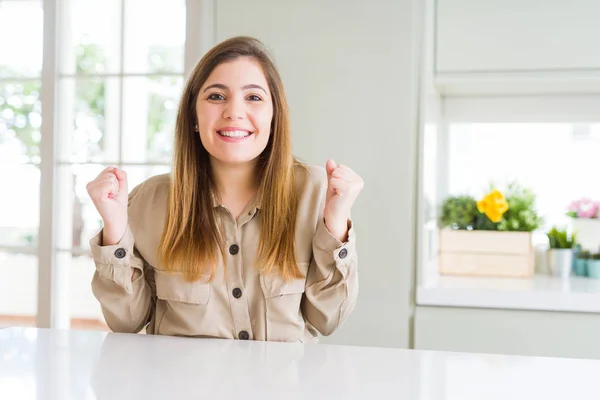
{"x":443,"y":110}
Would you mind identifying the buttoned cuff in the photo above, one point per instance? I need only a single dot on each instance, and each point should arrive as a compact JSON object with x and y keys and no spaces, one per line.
{"x":114,"y":262}
{"x":117,"y":254}
{"x":341,"y":253}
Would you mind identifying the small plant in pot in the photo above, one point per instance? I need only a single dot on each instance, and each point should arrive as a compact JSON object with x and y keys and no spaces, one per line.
{"x":580,"y":266}
{"x":459,"y":212}
{"x":593,"y":266}
{"x":560,"y":254}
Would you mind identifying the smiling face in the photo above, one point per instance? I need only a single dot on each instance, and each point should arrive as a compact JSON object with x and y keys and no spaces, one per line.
{"x":234,"y":112}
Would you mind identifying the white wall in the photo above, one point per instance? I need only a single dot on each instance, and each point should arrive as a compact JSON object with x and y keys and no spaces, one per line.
{"x":351,"y":74}
{"x":568,"y":108}
{"x":517,"y":35}
{"x":517,"y":47}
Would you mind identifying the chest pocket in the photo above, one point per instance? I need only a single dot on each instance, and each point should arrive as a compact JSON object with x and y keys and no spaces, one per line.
{"x":173,"y":287}
{"x":275,"y":286}
{"x":284,"y":321}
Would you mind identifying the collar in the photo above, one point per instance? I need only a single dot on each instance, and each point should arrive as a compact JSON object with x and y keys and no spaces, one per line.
{"x":254,"y":203}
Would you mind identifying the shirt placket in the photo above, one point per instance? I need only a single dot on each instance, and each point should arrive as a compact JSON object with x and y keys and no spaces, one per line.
{"x":238,"y":300}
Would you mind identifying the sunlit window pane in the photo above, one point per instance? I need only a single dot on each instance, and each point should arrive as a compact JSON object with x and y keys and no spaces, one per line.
{"x":150,"y":109}
{"x":154,"y":36}
{"x":19,"y":205}
{"x":21,"y":38}
{"x":18,"y":300}
{"x":84,"y":307}
{"x":91,"y":36}
{"x":20,"y":122}
{"x":558,"y":161}
{"x":89,"y":120}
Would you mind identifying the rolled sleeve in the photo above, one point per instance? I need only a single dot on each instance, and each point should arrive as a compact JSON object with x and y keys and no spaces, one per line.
{"x":332,"y":281}
{"x":114,"y":262}
{"x":329,"y":251}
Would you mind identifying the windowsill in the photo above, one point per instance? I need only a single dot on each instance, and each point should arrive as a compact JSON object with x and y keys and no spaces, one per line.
{"x":541,"y":292}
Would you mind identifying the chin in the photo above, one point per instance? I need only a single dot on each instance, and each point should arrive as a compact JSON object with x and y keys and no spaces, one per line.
{"x":236,"y":158}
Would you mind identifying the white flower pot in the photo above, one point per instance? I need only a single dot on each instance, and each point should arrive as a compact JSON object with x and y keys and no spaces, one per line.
{"x":560,"y":262}
{"x":588,"y":232}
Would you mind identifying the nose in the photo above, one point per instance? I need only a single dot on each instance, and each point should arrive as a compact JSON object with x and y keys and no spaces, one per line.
{"x":234,"y":109}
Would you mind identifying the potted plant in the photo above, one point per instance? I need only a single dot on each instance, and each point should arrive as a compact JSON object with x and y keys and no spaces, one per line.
{"x":459,"y":212}
{"x":521,"y":215}
{"x":583,"y":208}
{"x":560,"y":254}
{"x":593,"y":266}
{"x":580,"y":266}
{"x":490,"y":236}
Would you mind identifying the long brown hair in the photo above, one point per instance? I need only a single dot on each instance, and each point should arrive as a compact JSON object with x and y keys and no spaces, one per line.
{"x":191,"y":241}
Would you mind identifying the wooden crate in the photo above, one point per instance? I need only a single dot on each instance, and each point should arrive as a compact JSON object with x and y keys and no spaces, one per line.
{"x":486,"y":253}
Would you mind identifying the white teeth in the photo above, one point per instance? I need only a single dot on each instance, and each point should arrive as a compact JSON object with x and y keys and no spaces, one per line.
{"x":234,"y":134}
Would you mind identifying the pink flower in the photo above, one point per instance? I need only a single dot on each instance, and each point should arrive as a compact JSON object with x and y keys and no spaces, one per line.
{"x":584,"y":208}
{"x":574,"y":206}
{"x":589,"y":213}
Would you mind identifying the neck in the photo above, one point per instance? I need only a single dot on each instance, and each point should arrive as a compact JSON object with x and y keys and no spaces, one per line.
{"x":234,"y":179}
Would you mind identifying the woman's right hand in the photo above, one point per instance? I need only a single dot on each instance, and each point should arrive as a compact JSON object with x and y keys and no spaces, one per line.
{"x":109,"y":194}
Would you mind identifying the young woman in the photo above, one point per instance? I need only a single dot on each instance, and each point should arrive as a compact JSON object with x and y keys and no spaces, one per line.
{"x":240,"y":240}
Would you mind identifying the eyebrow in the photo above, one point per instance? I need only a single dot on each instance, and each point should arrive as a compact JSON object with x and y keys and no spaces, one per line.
{"x":224,"y":87}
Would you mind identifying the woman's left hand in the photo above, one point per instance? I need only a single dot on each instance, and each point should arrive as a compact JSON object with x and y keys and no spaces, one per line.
{"x":343,"y":187}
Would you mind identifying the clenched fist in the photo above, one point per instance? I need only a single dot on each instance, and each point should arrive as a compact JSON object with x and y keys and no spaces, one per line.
{"x":343,"y":188}
{"x":109,"y":194}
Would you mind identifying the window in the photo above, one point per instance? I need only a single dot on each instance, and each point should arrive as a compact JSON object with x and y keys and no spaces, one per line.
{"x":547,"y":142}
{"x":557,"y":160}
{"x":117,"y":73}
{"x":118,"y":92}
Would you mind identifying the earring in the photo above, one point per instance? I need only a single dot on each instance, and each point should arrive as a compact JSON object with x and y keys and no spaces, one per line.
{"x":196,"y":128}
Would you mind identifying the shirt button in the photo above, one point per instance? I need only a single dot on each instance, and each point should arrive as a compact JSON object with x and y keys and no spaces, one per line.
{"x":234,"y":249}
{"x":244,"y":335}
{"x":237,"y":293}
{"x":120,"y":253}
{"x":343,"y":253}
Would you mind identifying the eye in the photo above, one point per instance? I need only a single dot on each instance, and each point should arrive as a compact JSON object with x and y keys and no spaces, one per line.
{"x":216,"y":96}
{"x":254,"y":97}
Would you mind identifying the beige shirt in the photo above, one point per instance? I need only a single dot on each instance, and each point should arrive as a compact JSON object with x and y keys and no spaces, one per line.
{"x":239,"y":303}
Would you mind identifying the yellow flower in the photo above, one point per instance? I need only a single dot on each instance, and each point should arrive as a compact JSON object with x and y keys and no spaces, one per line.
{"x":493,"y":205}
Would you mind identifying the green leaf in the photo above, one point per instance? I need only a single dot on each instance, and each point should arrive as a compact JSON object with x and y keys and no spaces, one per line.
{"x":560,"y":239}
{"x":521,"y":214}
{"x":459,"y":212}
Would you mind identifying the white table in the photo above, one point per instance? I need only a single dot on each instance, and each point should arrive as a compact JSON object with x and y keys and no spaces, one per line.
{"x":47,"y":364}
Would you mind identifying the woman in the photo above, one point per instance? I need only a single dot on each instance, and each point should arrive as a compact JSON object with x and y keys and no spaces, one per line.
{"x":240,"y":240}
